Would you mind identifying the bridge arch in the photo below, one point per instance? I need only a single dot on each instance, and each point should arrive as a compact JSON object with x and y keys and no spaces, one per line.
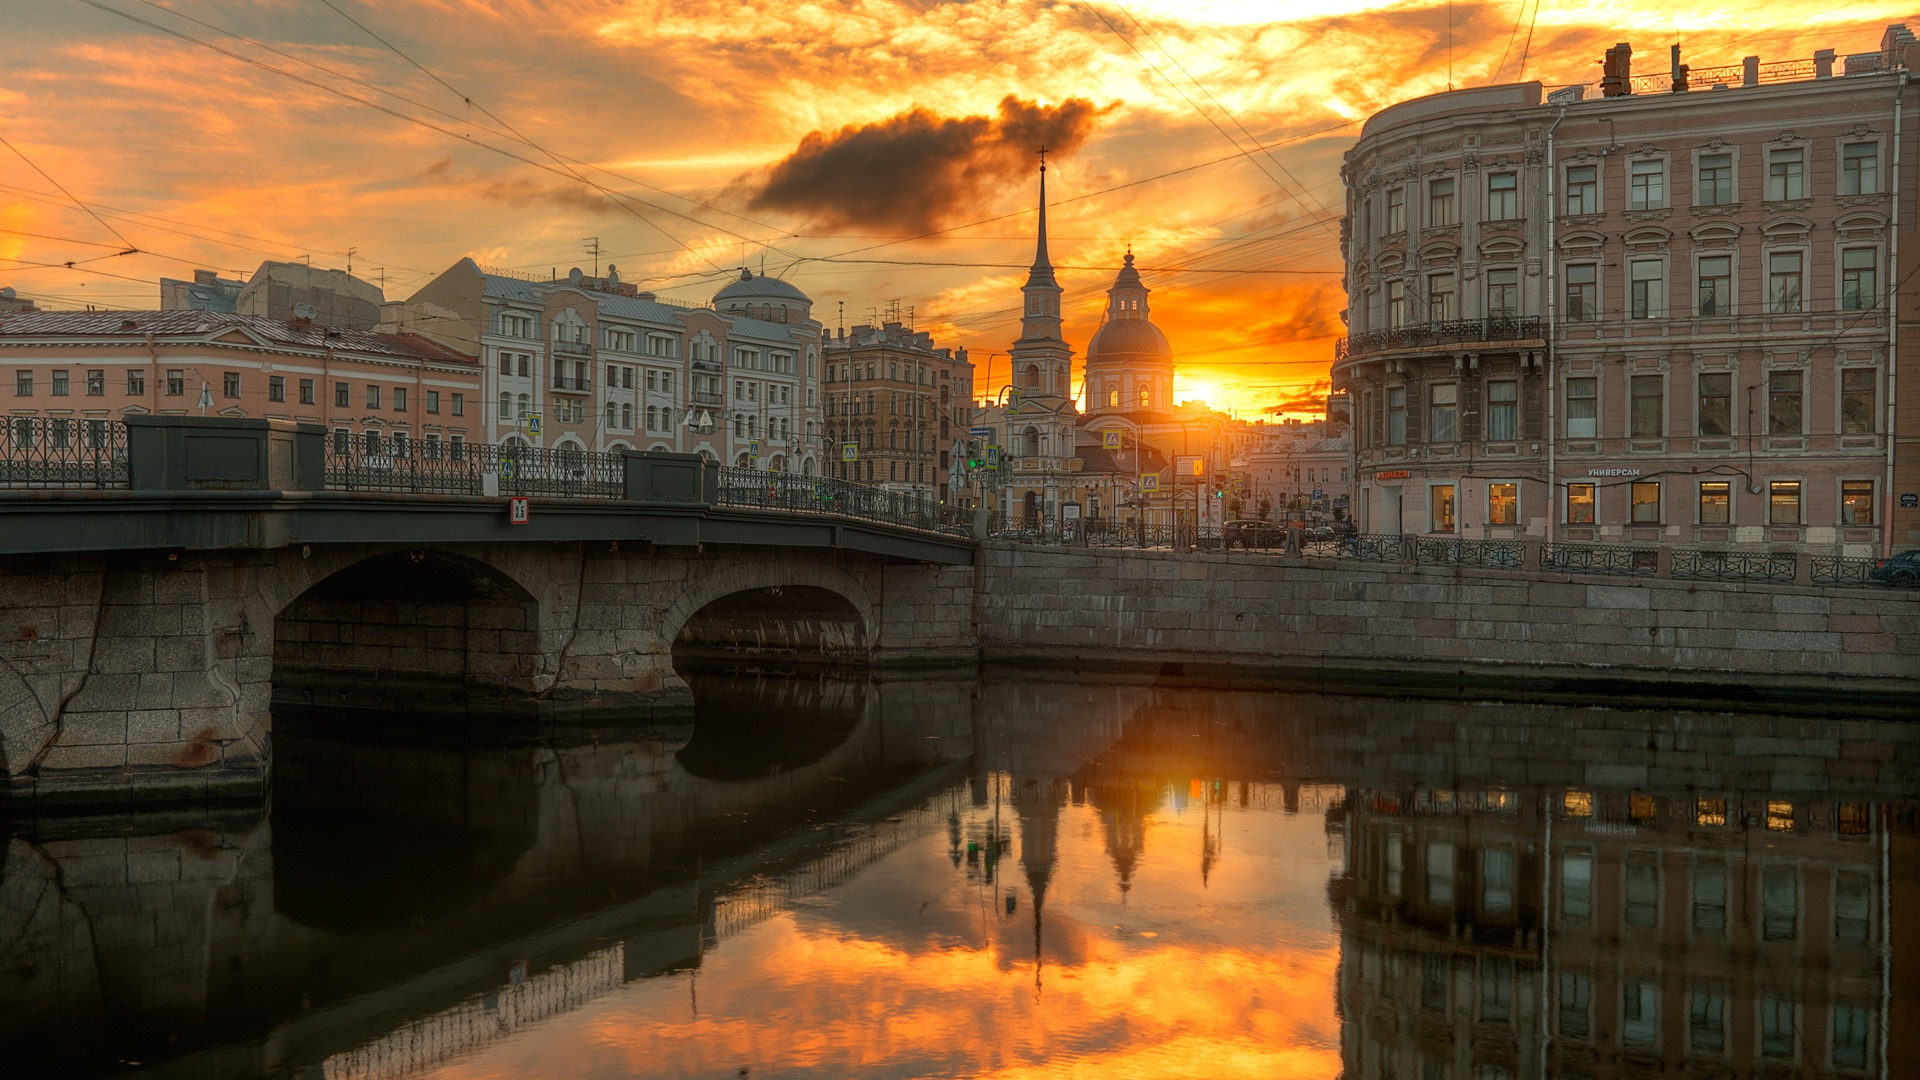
{"x":408,"y":629}
{"x":791,"y":609}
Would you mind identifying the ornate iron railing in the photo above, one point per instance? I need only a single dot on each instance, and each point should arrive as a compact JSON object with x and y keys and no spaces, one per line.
{"x":754,"y":489}
{"x":63,"y":452}
{"x":1377,"y":547}
{"x":474,"y":469}
{"x":1449,"y":550}
{"x":1451,"y":331}
{"x":1843,"y":570}
{"x":1709,"y":565}
{"x":1600,"y":559}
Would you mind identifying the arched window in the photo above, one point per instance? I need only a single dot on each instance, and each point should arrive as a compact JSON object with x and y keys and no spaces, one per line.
{"x":739,"y":426}
{"x":506,"y":405}
{"x":893,"y":437}
{"x":1145,"y":397}
{"x":653,"y":417}
{"x":869,"y":402}
{"x":766,"y":312}
{"x":1033,"y":377}
{"x":1031,"y":438}
{"x":626,"y":417}
{"x":526,"y":405}
{"x":613,"y":414}
{"x":1113,"y":396}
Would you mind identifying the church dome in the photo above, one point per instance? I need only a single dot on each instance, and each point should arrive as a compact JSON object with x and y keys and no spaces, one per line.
{"x":1126,"y":340}
{"x":759,"y":288}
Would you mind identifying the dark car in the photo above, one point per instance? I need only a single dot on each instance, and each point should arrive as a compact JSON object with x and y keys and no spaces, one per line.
{"x":1317,"y":533}
{"x":1901,"y":571}
{"x":1253,"y":534}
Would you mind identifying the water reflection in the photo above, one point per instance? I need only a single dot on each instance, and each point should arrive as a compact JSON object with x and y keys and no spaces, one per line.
{"x":1016,"y":877}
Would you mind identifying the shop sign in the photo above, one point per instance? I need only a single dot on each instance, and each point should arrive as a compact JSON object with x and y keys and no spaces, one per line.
{"x":1613,"y":472}
{"x":1392,"y":474}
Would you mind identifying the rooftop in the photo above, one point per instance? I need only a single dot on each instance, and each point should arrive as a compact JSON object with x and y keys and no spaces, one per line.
{"x":82,"y":327}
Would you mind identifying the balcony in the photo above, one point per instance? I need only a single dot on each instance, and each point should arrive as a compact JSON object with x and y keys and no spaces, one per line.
{"x":573,"y":348}
{"x":573,"y":384}
{"x":712,"y":398}
{"x":1498,"y":328}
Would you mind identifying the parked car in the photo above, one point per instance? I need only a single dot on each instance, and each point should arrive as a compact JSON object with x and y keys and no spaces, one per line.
{"x":1901,"y":571}
{"x":1318,"y":532}
{"x":1253,"y":534}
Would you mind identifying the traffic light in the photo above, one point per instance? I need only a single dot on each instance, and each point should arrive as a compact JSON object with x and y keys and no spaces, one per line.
{"x":1219,"y":487}
{"x":975,"y":459}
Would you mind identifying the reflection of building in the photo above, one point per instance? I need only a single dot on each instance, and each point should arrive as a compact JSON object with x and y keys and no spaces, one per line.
{"x":1674,"y":301}
{"x":1644,"y":935}
{"x":902,"y":403}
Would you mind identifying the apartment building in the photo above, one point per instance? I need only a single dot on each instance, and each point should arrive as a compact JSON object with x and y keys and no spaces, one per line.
{"x":594,"y":363}
{"x":376,"y":393}
{"x":903,"y":405}
{"x":1658,"y":313}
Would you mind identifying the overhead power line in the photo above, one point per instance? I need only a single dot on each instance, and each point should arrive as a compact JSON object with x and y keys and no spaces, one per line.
{"x":70,"y":195}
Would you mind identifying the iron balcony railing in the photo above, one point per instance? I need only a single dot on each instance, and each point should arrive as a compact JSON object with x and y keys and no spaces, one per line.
{"x":1448,"y":332}
{"x":63,"y":452}
{"x":1735,"y":565}
{"x":581,"y":384}
{"x":572,"y":348}
{"x":470,"y":469}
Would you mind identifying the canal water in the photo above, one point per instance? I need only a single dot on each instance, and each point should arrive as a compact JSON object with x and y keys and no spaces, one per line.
{"x":1015,"y":876}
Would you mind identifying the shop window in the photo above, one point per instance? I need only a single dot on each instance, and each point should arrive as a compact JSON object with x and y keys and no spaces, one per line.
{"x":1783,"y":502}
{"x":1503,"y":504}
{"x":1441,"y":498}
{"x":1643,"y":503}
{"x":1716,"y":502}
{"x":1856,"y":502}
{"x":1579,"y":504}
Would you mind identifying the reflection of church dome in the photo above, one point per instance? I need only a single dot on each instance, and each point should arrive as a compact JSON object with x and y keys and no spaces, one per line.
{"x":1128,"y":339}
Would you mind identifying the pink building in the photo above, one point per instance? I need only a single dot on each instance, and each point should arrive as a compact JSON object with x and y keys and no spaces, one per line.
{"x":1656,"y":313}
{"x":374,"y":392}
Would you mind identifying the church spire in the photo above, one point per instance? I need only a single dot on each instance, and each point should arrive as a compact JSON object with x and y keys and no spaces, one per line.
{"x":1042,"y":272}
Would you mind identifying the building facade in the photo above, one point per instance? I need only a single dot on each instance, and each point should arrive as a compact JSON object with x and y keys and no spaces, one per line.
{"x":902,"y":406}
{"x":594,"y":363}
{"x":1300,"y":472}
{"x":1658,"y":314}
{"x":377,"y":394}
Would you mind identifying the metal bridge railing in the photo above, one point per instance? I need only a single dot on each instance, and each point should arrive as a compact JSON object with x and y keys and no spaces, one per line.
{"x":63,"y":452}
{"x":470,"y":469}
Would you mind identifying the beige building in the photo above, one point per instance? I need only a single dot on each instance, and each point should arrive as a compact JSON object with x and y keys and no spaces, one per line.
{"x":281,"y":291}
{"x":1659,"y":313}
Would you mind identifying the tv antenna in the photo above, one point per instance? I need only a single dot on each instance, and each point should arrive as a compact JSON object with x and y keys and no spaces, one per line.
{"x":591,"y":245}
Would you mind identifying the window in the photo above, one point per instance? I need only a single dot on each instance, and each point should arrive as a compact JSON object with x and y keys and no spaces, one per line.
{"x":60,"y":384}
{"x":1576,"y":993}
{"x":1496,"y":880}
{"x":506,"y":405}
{"x":1441,"y":499}
{"x":1850,"y":1036}
{"x":1716,"y":285}
{"x":1779,"y":815}
{"x":1709,"y":898}
{"x":1434,"y":979}
{"x":1396,"y":304}
{"x":1583,"y":189}
{"x":1576,"y":886}
{"x":230,"y":384}
{"x":1396,"y":416}
{"x":1396,"y":210}
{"x":136,"y":382}
{"x":1503,"y":411}
{"x":433,"y":402}
{"x":1779,"y":904}
{"x":1582,"y":408}
{"x":1852,"y":907}
{"x":1706,"y":1020}
{"x":306,"y":391}
{"x":373,"y":396}
{"x":1783,"y":403}
{"x":176,"y":382}
{"x":1440,"y":209}
{"x":1856,"y":502}
{"x":1439,"y":873}
{"x":1583,"y":295}
{"x":459,"y":404}
{"x":1859,"y":279}
{"x":1710,"y":811}
{"x":96,"y":382}
{"x":1643,"y":894}
{"x":1783,"y":282}
{"x":1716,"y":502}
{"x":525,"y":360}
{"x":1639,"y":1013}
{"x":399,"y":399}
{"x":276,"y":388}
{"x":23,"y":384}
{"x":1503,"y":504}
{"x":1644,"y":414}
{"x":1503,"y":293}
{"x":1860,"y":169}
{"x":1715,"y":392}
{"x":1786,"y":174}
{"x":1440,"y":305}
{"x":342,"y":441}
{"x":1716,"y":180}
{"x":1579,"y":504}
{"x":1395,"y":866}
{"x":1647,"y":185}
{"x":1644,"y":503}
{"x":1444,"y":412}
{"x":1783,"y":502}
{"x":342,"y":395}
{"x":1496,"y":989}
{"x":1647,"y":289}
{"x":372,"y":440}
{"x":1503,"y":196}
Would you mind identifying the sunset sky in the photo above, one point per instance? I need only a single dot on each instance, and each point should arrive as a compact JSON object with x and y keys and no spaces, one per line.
{"x":870,"y":151}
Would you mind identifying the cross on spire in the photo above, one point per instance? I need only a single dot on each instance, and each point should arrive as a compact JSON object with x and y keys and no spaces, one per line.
{"x":1043,"y":159}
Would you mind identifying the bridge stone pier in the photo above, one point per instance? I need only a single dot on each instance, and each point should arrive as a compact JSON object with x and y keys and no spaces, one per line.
{"x":149,"y":676}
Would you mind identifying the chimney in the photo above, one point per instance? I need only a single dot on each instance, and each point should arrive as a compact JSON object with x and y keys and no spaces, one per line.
{"x":1679,"y":71}
{"x":1750,"y":71}
{"x":1616,"y":79}
{"x":1823,"y":64}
